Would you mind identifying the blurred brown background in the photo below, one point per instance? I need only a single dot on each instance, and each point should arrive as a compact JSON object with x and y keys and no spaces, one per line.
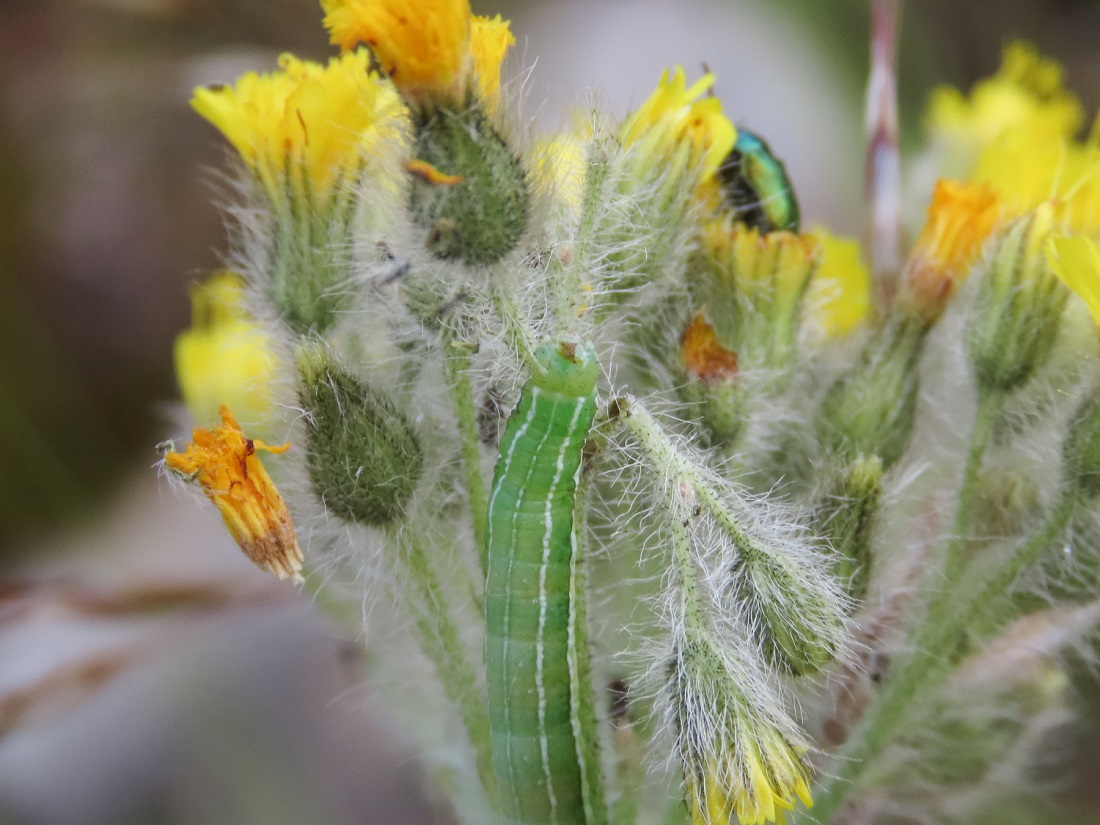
{"x":107,"y":184}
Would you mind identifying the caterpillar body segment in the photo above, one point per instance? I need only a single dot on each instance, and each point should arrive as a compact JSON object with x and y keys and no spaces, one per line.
{"x":531,"y":601}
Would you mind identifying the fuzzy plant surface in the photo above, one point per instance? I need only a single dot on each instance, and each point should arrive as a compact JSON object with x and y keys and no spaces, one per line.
{"x":659,"y":507}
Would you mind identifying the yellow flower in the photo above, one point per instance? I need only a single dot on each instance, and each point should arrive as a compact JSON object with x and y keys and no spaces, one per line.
{"x":1016,"y":134}
{"x":1076,"y":262}
{"x":752,"y":286}
{"x":960,"y":219}
{"x":673,"y":118}
{"x":423,"y":45}
{"x":225,"y":358}
{"x":758,"y":784}
{"x":773,"y":267}
{"x":560,"y":165}
{"x":1026,"y":95}
{"x":838,"y":299}
{"x":224,"y":463}
{"x":490,"y":39}
{"x":304,"y":129}
{"x":1028,"y":168}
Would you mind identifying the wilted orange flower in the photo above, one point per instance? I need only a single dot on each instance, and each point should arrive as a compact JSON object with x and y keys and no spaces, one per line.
{"x":960,"y":218}
{"x":704,"y":356}
{"x":224,"y":462}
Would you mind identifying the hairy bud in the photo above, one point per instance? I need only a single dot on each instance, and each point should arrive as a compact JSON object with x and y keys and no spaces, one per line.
{"x":1081,"y":451}
{"x":469,"y":191}
{"x":847,"y":520}
{"x":364,"y":458}
{"x":870,"y":411}
{"x":1019,"y":306}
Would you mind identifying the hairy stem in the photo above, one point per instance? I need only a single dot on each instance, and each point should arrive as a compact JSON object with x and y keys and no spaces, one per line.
{"x":681,"y":470}
{"x":443,"y":645}
{"x":456,"y":366}
{"x":955,"y":560}
{"x":930,"y":664}
{"x":517,"y":334}
{"x":586,"y":730}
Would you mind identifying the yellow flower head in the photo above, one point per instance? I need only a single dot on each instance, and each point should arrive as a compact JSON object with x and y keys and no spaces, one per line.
{"x":1028,"y":168}
{"x":423,"y":45}
{"x":757,"y":781}
{"x":490,"y":40}
{"x":674,"y":119}
{"x":1026,"y":95}
{"x":224,"y":463}
{"x":225,"y":358}
{"x":838,"y":299}
{"x":960,"y":219}
{"x":303,"y":130}
{"x":752,"y":285}
{"x":1076,"y":262}
{"x":774,"y":266}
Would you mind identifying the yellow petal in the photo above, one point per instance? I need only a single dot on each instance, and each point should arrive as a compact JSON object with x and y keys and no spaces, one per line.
{"x":225,"y":357}
{"x":304,"y":129}
{"x":423,"y":45}
{"x":1076,"y":261}
{"x":674,"y":117}
{"x":490,"y":40}
{"x":838,"y":299}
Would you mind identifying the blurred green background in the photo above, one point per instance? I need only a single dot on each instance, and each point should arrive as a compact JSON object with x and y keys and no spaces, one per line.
{"x":108,"y":185}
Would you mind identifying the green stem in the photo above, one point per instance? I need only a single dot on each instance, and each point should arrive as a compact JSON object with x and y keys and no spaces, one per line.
{"x":580,"y":675}
{"x":930,"y":664}
{"x":667,"y":459}
{"x":516,"y":332}
{"x":456,"y":365}
{"x":567,"y":284}
{"x":443,"y":645}
{"x":989,"y":407}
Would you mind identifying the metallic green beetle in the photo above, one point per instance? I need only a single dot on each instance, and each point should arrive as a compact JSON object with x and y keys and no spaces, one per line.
{"x":755,"y":184}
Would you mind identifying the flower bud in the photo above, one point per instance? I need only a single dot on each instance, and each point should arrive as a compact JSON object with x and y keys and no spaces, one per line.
{"x":753,"y":284}
{"x":648,"y":182}
{"x":469,"y":191}
{"x":1081,"y":450}
{"x":364,"y":459}
{"x":847,"y":521}
{"x":1019,"y":305}
{"x":960,"y":219}
{"x":799,"y":622}
{"x":871,"y":410}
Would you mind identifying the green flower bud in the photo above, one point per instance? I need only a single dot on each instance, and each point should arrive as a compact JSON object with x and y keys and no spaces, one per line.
{"x":1019,"y":306}
{"x":364,"y":458}
{"x":469,"y":191}
{"x":799,"y":623}
{"x":1081,"y":450}
{"x":753,"y":284}
{"x":847,"y":521}
{"x":870,"y":411}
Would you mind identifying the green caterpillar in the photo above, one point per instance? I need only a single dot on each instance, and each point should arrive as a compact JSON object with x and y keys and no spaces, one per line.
{"x":533,"y":621}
